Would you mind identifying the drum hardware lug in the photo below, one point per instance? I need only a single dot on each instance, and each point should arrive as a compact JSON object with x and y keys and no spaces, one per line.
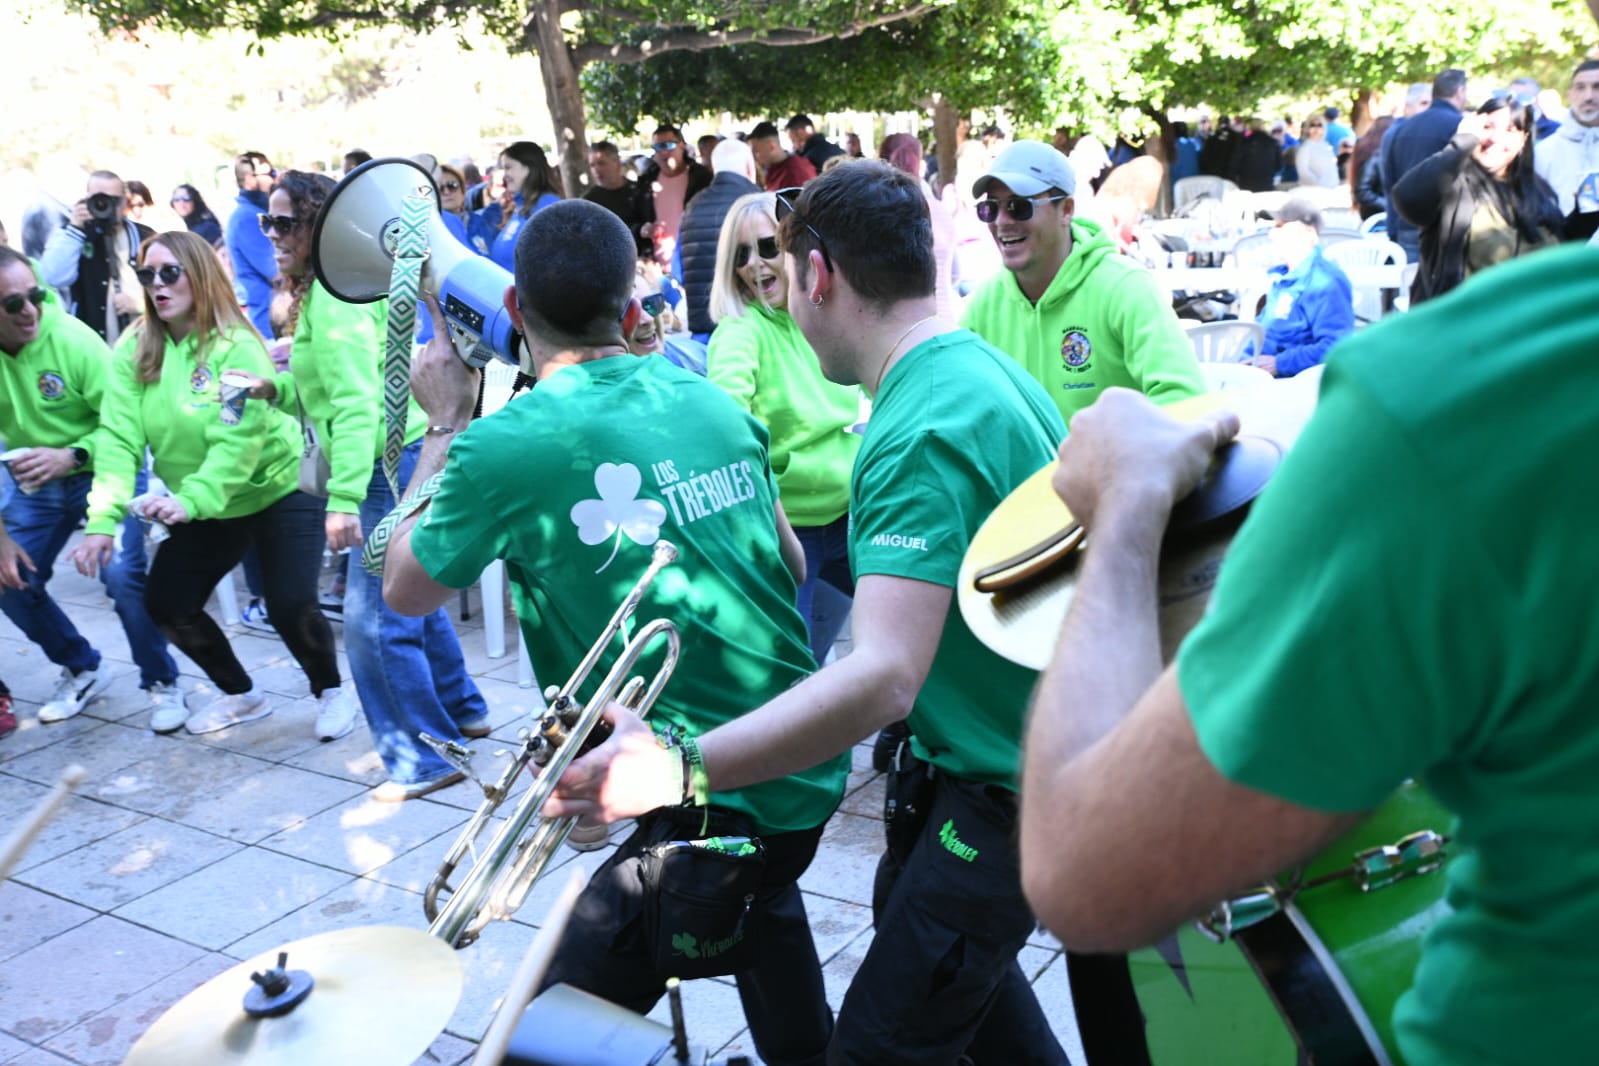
{"x":1233,"y":916}
{"x":1417,"y":854}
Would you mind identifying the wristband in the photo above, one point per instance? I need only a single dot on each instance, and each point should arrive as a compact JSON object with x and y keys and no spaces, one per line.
{"x":439,"y":431}
{"x":698,"y":780}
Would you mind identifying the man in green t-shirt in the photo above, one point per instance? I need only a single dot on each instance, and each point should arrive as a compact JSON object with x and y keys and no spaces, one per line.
{"x":52,"y":381}
{"x":1411,"y":597}
{"x":572,"y":485}
{"x":1079,"y":315}
{"x":955,"y":427}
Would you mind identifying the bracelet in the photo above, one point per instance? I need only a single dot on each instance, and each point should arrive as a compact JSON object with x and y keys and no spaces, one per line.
{"x":439,"y":431}
{"x":698,"y":781}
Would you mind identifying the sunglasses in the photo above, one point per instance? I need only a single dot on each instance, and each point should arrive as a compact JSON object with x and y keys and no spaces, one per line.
{"x":667,"y":146}
{"x":765,"y":247}
{"x":452,"y":186}
{"x":282,"y":225}
{"x":180,"y":199}
{"x":168,"y":275}
{"x":13,"y":303}
{"x":1019,"y":208}
{"x":654,"y":304}
{"x":785,"y":207}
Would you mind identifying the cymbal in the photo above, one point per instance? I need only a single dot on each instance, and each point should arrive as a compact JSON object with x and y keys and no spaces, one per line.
{"x":1022,"y":624}
{"x":382,"y":995}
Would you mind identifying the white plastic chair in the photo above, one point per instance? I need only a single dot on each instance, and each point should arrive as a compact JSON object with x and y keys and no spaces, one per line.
{"x":1376,"y":224}
{"x":1224,"y":342}
{"x":1255,"y":252}
{"x":1370,"y":252}
{"x":1341,"y":218}
{"x":1187,"y":190}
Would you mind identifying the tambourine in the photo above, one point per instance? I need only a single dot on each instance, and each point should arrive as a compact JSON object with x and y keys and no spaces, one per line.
{"x":1019,"y":574}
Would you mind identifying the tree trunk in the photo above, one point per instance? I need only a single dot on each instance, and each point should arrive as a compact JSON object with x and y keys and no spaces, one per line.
{"x":1164,"y":148}
{"x":1361,"y":118}
{"x":945,"y":122}
{"x":562,"y":92}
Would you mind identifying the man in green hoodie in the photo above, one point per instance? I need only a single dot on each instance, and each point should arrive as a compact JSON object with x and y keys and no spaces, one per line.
{"x":1070,"y":309}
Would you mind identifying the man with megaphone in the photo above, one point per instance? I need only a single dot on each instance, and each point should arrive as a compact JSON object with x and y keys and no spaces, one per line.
{"x":572,"y":485}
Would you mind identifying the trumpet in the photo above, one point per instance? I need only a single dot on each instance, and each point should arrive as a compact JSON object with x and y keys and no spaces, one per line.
{"x":500,"y":879}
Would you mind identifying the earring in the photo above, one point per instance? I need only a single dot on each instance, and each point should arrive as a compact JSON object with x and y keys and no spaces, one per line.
{"x":816,"y":301}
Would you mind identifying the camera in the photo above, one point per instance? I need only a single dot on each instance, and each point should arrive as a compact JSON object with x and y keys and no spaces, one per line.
{"x":102,"y":206}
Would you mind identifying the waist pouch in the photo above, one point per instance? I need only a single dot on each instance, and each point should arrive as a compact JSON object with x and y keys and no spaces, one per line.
{"x":700,"y":903}
{"x":907,"y":800}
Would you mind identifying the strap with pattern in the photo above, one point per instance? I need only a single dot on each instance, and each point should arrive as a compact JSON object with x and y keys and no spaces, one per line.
{"x":377,"y":545}
{"x":410,"y":252}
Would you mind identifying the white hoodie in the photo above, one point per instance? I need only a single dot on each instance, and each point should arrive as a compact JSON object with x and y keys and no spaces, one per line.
{"x":1568,"y":160}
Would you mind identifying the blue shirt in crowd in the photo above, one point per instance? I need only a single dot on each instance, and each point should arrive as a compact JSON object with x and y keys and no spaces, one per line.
{"x":1309,"y":309}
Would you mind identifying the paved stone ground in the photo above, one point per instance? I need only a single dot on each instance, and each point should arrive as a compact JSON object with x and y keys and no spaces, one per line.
{"x":182,"y":855}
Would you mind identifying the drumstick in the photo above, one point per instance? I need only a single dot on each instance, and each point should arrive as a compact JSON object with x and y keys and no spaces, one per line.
{"x":17,"y":843}
{"x":528,"y":974}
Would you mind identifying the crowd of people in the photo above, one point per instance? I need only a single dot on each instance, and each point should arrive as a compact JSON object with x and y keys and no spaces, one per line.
{"x":793,"y":290}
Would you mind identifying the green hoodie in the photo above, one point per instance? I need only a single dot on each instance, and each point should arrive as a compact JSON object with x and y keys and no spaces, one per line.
{"x":336,"y":377}
{"x":51,"y":390}
{"x":763,"y":361}
{"x":214,"y":470}
{"x":1103,"y":322}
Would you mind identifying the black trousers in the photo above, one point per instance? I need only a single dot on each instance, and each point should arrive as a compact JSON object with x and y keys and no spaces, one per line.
{"x":940,"y":979}
{"x":604,"y":950}
{"x":288,"y":537}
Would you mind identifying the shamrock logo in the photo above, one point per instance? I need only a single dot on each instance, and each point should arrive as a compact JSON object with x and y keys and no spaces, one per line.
{"x":618,"y":510}
{"x":685,"y":944}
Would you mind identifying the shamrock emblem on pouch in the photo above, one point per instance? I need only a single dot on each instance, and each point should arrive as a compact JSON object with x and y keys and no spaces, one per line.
{"x":618,"y":511}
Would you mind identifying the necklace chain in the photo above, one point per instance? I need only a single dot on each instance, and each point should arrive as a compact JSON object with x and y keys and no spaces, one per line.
{"x":883,"y":366}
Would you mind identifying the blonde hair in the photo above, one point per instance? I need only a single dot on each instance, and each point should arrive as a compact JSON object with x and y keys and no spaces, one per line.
{"x":730,"y":297}
{"x":216,"y":310}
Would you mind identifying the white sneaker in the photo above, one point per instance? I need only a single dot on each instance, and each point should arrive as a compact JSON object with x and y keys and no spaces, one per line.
{"x":336,"y":716}
{"x":167,"y":712}
{"x":224,"y":711}
{"x":73,"y":693}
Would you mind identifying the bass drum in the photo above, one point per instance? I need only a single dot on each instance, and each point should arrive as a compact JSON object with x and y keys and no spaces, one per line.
{"x":1314,"y":984}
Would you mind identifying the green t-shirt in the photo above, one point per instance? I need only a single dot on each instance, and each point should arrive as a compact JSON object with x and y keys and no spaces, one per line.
{"x":956,"y":426}
{"x":1102,"y":323}
{"x":573,"y":483}
{"x":50,"y":391}
{"x":215,"y":470}
{"x":765,"y":363}
{"x":1413,"y":596}
{"x":336,"y":367}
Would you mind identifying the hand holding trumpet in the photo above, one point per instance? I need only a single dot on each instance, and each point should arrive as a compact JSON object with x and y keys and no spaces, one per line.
{"x":626,"y":776}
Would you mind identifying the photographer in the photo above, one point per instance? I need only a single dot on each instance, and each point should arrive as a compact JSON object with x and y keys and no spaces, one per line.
{"x":92,"y":258}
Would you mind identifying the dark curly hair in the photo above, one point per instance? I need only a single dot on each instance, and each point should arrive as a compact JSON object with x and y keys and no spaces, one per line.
{"x":307,"y":193}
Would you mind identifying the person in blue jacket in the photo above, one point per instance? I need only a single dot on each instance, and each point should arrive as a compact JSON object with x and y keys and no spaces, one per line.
{"x":531,"y":184}
{"x":1311,"y":306}
{"x":255,"y":268}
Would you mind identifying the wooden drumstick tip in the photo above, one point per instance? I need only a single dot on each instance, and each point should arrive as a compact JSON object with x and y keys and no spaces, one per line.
{"x":73,"y":776}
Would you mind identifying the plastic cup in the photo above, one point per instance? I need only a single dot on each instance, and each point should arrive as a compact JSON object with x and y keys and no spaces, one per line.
{"x":235,"y":391}
{"x":11,"y":456}
{"x":158,"y":531}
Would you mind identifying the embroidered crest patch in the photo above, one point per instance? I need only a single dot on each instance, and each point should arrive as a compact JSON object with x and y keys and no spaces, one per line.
{"x":51,"y":385}
{"x":200,"y":380}
{"x":1075,"y":351}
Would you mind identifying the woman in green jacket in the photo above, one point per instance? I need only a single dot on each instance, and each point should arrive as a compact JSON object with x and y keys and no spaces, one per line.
{"x":232,"y":471}
{"x":759,"y":357}
{"x":409,"y":672}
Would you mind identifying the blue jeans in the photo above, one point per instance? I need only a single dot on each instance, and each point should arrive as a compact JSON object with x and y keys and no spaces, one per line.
{"x":825,"y":597}
{"x":410,"y":672}
{"x":41,"y":524}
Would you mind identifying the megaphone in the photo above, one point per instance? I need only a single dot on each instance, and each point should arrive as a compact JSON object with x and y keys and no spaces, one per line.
{"x":352,"y":252}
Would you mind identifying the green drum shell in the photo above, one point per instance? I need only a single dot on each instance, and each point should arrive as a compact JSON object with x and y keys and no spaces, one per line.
{"x":1204,"y":1002}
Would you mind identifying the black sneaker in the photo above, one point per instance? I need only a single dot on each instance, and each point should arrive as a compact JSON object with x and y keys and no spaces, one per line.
{"x":887,"y":743}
